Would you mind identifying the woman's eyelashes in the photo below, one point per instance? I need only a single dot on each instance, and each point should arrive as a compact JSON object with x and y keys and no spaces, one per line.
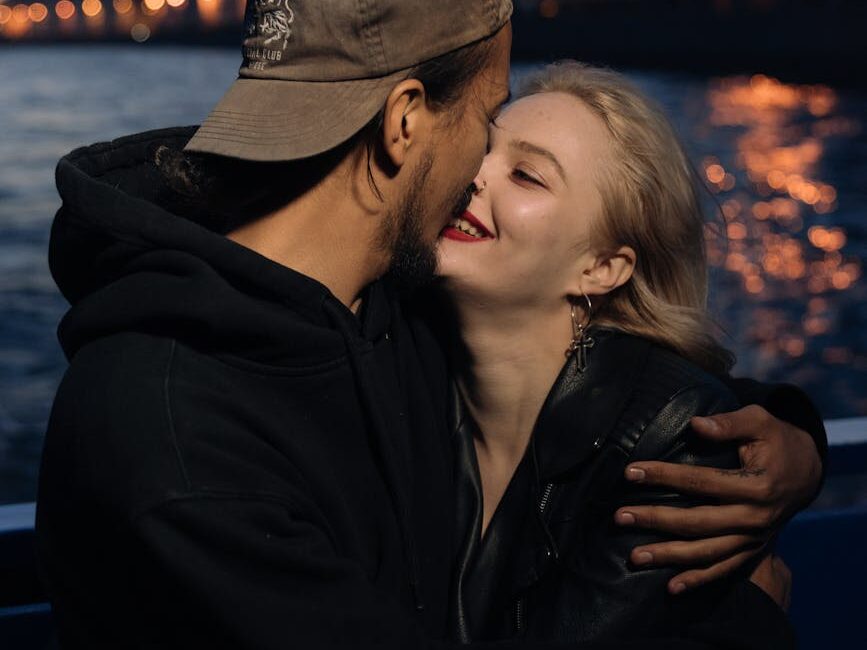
{"x":526,"y":177}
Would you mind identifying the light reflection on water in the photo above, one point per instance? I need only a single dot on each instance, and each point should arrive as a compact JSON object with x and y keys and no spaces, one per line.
{"x":775,"y":191}
{"x":784,"y":162}
{"x":787,"y":232}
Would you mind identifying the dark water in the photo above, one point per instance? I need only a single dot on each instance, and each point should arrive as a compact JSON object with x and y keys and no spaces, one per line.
{"x":787,"y":164}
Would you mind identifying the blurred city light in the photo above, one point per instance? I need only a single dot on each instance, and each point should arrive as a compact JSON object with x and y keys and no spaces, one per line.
{"x":37,"y":12}
{"x":64,"y":9}
{"x":91,"y":8}
{"x":140,"y":32}
{"x":104,"y":19}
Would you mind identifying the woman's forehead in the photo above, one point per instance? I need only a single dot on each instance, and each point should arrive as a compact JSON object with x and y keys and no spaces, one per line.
{"x":560,"y":123}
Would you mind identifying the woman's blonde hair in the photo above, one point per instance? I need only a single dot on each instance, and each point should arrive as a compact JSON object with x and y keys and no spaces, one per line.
{"x":651,"y":203}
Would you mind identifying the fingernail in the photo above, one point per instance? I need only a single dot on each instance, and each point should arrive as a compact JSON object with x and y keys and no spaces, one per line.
{"x":678,"y":588}
{"x":625,"y":518}
{"x":635,"y":474}
{"x":643,"y":558}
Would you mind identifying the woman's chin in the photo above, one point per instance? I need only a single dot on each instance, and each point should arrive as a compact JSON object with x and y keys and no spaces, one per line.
{"x":445,"y":258}
{"x":460,"y":269}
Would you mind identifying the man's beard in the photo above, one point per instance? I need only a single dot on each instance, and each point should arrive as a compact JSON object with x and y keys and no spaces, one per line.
{"x":414,"y":260}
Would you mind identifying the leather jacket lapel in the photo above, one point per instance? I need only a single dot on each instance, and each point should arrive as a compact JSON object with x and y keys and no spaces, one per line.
{"x":599,"y":394}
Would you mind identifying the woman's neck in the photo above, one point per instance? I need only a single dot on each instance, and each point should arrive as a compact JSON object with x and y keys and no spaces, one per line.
{"x":512,"y":360}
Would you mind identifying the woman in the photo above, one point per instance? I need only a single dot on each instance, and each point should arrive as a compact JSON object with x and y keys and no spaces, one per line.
{"x":584,"y":236}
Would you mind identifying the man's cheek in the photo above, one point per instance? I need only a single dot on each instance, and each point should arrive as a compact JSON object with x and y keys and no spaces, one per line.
{"x":477,"y":155}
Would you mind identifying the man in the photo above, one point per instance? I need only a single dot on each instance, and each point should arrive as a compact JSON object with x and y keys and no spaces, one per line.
{"x":249,"y":449}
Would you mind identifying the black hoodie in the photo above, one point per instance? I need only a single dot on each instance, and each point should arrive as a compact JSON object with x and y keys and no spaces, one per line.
{"x":234,"y":459}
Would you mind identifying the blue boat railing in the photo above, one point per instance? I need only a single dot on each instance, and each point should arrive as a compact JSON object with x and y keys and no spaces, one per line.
{"x":25,"y":615}
{"x":823,"y":546}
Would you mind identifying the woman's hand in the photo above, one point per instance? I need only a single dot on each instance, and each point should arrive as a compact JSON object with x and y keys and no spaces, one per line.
{"x":774,"y":578}
{"x":780,"y":473}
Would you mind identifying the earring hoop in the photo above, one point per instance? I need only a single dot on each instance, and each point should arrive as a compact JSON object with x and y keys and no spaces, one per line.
{"x":581,"y":340}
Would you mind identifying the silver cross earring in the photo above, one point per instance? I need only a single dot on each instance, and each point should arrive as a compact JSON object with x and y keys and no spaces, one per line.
{"x":581,"y":341}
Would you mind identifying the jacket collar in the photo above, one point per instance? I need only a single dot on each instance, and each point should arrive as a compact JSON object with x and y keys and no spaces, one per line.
{"x":599,"y":394}
{"x":598,"y":397}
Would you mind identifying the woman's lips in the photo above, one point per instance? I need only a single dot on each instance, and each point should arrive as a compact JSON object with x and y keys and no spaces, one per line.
{"x":450,"y":232}
{"x":470,"y":220}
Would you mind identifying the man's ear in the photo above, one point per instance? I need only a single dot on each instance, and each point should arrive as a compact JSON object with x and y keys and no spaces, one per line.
{"x":406,"y":120}
{"x":609,"y":271}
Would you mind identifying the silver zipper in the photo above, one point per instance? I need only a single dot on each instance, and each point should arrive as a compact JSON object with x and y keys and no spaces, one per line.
{"x":546,"y":494}
{"x":519,"y":615}
{"x":519,"y":606}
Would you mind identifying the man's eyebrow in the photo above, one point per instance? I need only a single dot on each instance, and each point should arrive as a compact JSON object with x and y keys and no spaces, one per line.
{"x":529,"y":147}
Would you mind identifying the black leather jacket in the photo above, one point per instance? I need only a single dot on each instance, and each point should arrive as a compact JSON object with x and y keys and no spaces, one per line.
{"x":552,"y":564}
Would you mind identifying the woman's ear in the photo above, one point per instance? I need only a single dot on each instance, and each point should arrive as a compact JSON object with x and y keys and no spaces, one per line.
{"x":405,"y":116}
{"x":609,"y":271}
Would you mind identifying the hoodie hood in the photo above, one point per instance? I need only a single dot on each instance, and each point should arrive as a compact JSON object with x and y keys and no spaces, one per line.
{"x":126,"y":262}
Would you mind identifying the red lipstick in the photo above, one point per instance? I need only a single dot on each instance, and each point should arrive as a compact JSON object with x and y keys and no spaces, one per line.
{"x":450,"y":232}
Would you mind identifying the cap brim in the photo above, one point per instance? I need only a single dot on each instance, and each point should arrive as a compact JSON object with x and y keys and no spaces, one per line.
{"x":274,"y":120}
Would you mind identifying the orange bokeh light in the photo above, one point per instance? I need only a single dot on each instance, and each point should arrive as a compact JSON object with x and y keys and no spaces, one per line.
{"x":731,"y":209}
{"x":715,"y":173}
{"x":828,"y":194}
{"x":754,"y":284}
{"x":209,"y":11}
{"x":5,"y":14}
{"x":794,"y":347}
{"x":828,"y":239}
{"x":840,"y":280}
{"x":737,"y":231}
{"x":37,"y":12}
{"x":17,"y":22}
{"x":776,"y":179}
{"x":64,"y":9}
{"x":761,"y":210}
{"x":91,"y":8}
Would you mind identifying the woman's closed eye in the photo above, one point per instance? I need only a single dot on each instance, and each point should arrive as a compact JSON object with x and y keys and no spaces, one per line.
{"x":523,"y":176}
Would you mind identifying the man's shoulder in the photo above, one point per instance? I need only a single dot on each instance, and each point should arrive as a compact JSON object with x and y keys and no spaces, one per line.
{"x":128,"y":347}
{"x":108,"y":429}
{"x":115,"y":376}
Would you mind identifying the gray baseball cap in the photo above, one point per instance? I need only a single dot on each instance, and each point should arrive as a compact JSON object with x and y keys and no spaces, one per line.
{"x":316,"y":71}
